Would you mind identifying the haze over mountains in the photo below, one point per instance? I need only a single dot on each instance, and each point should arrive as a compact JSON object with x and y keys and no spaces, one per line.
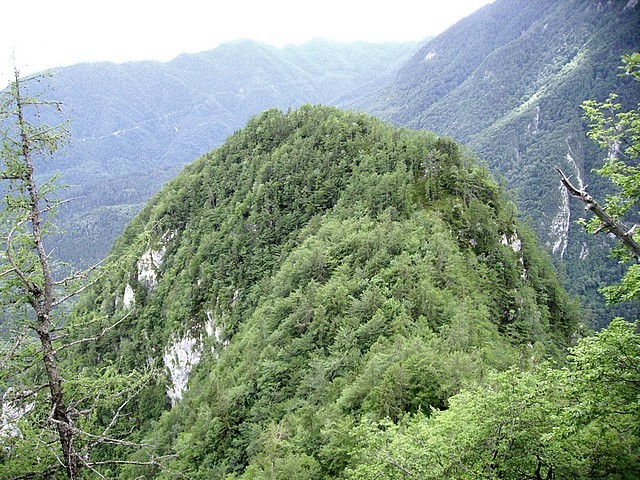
{"x":507,"y":81}
{"x":135,"y":125}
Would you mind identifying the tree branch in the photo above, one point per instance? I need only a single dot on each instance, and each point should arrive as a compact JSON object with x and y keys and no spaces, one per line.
{"x":26,"y":393}
{"x":130,"y":462}
{"x":100,"y":439}
{"x":116,"y":415}
{"x":104,"y":331}
{"x":624,"y":234}
{"x":397,"y":464}
{"x":73,"y":294}
{"x":44,"y":474}
{"x":80,"y":274}
{"x":19,"y":336}
{"x":28,"y":284}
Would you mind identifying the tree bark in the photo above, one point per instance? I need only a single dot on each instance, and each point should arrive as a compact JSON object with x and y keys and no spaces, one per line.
{"x":60,"y":412}
{"x":42,"y":300}
{"x":624,"y":234}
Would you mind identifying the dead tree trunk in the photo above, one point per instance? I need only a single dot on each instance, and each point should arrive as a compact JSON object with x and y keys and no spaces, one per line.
{"x":625,"y":235}
{"x":41,"y":297}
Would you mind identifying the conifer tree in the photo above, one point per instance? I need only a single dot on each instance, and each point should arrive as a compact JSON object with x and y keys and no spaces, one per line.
{"x":48,"y":425}
{"x":27,"y":272}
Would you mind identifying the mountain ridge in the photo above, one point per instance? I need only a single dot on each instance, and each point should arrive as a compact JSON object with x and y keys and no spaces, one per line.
{"x":514,"y":98}
{"x":281,"y":277}
{"x":146,"y":120}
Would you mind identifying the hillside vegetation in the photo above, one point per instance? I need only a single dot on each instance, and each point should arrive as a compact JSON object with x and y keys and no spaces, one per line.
{"x":318,"y":270}
{"x":508,"y":82}
{"x":326,"y":295}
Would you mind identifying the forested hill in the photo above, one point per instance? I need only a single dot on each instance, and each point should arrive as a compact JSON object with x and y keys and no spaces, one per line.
{"x":135,"y":125}
{"x":508,"y":81}
{"x":318,"y":271}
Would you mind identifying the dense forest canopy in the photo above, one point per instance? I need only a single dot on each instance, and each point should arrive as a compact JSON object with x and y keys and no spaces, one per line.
{"x":134,"y":126}
{"x":318,"y":272}
{"x":508,"y":81}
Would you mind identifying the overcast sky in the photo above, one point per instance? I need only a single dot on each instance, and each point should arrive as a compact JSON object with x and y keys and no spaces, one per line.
{"x":49,"y":33}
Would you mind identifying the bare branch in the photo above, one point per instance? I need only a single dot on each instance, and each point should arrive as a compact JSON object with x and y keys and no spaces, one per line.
{"x":624,"y":234}
{"x":115,"y":417}
{"x":26,"y":394}
{"x":79,"y":274}
{"x":105,"y":330}
{"x":73,"y":294}
{"x":7,"y":272}
{"x":47,"y":472}
{"x":397,"y":464}
{"x":92,"y":469}
{"x":601,"y":228}
{"x":54,"y":204}
{"x":100,"y":439}
{"x":20,"y":336}
{"x":130,"y":462}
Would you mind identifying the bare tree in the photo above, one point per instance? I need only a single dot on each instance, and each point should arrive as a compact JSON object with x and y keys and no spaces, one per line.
{"x":33,"y":332}
{"x":618,"y":131}
{"x":31,"y":278}
{"x":608,"y":222}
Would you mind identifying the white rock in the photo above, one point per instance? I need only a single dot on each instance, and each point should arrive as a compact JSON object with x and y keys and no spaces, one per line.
{"x":180,"y":357}
{"x":185,"y":353}
{"x":128,"y":299}
{"x":11,"y":415}
{"x":148,"y":267}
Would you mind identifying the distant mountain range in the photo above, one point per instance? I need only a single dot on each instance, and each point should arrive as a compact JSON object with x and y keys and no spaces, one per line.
{"x":135,"y":125}
{"x":506,"y":81}
{"x":509,"y":80}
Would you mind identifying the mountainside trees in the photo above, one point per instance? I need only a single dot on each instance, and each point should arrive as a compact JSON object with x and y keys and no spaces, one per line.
{"x":577,"y":422}
{"x":508,"y":81}
{"x":318,"y":270}
{"x":618,"y":132}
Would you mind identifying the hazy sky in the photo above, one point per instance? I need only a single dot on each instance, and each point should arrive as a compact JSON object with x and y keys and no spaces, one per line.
{"x":49,"y":33}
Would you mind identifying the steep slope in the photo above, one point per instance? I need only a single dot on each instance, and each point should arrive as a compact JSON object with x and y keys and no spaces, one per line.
{"x":508,"y":81}
{"x":135,"y":125}
{"x":317,"y":269}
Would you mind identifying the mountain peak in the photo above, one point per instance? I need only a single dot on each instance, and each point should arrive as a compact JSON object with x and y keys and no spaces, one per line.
{"x":310,"y":246}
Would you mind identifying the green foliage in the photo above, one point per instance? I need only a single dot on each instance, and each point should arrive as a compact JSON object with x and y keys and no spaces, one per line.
{"x":631,"y":65}
{"x":339,"y":271}
{"x":136,"y":125}
{"x":508,"y":81}
{"x":618,"y":131}
{"x":60,"y":416}
{"x":578,"y":422}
